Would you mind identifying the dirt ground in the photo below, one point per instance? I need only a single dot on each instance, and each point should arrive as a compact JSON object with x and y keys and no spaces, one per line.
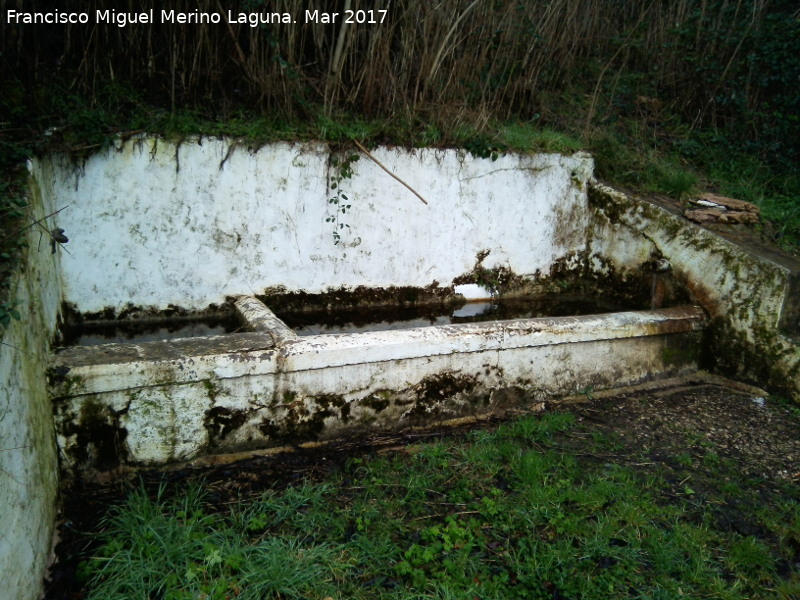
{"x":685,"y":427}
{"x":703,"y":413}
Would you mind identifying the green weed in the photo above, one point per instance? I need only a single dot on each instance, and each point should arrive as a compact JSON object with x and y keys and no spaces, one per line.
{"x":676,"y":182}
{"x":529,"y":137}
{"x":499,"y":514}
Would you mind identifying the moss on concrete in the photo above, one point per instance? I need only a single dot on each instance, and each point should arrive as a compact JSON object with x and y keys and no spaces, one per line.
{"x":438,"y":395}
{"x":748,"y":294}
{"x":99,"y":437}
{"x":28,"y":457}
{"x":280,"y":300}
{"x":304,"y":418}
{"x":220,"y":421}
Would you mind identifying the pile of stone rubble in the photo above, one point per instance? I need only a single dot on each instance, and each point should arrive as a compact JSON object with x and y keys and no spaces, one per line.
{"x":710,"y":208}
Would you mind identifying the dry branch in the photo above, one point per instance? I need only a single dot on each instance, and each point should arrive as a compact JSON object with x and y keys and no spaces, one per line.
{"x":380,"y":164}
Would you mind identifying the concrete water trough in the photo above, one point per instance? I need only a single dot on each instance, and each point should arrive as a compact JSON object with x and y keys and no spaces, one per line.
{"x":155,"y":402}
{"x":158,"y":227}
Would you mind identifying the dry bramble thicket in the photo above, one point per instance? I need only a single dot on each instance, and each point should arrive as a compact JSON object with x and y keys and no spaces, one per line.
{"x":713,"y":61}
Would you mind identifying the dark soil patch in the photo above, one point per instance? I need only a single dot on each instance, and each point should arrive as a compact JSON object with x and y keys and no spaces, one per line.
{"x":707,"y":423}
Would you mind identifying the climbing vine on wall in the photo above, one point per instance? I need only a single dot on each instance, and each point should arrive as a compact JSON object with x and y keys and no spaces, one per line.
{"x":338,"y":200}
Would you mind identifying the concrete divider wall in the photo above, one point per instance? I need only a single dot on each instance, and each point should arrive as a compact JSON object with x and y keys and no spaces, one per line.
{"x":28,"y":462}
{"x":152,"y":223}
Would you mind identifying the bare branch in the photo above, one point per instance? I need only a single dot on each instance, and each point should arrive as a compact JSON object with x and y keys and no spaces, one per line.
{"x":377,"y":162}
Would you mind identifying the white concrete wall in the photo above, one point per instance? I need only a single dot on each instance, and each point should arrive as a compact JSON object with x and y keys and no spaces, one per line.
{"x":154,"y":224}
{"x":28,"y":461}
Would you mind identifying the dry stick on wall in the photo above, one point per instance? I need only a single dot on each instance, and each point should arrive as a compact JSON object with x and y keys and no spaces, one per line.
{"x":50,"y":234}
{"x":377,"y":162}
{"x":39,"y":221}
{"x":10,"y":476}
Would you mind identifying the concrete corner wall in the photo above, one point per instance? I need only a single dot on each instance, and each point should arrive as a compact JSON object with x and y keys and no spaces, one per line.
{"x":153,"y":223}
{"x":28,"y":460}
{"x":749,"y":298}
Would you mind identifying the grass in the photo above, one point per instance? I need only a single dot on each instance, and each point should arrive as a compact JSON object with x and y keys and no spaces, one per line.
{"x":530,"y":137}
{"x":508,"y":513}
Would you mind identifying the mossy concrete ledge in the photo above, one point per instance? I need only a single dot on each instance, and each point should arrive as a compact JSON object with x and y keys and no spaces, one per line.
{"x":28,"y":459}
{"x":750,"y":294}
{"x":157,"y":402}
